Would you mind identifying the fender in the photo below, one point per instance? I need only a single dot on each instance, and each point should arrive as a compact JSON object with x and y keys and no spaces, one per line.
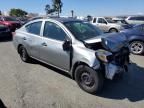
{"x":131,"y":38}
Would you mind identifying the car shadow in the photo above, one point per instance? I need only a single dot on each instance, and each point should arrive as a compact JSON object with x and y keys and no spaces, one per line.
{"x":6,"y":39}
{"x":2,"y":104}
{"x":51,"y":68}
{"x":131,"y":87}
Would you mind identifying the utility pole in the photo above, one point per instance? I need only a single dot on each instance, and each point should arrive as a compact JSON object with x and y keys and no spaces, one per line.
{"x":72,"y":13}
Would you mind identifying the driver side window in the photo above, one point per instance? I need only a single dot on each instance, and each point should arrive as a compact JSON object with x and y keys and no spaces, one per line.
{"x":53,"y":31}
{"x":102,"y":21}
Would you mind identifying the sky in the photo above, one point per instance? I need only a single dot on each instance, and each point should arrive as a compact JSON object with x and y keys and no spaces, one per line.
{"x":80,"y":7}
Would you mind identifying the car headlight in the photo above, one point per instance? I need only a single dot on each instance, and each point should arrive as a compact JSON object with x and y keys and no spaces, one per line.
{"x":104,"y":55}
{"x":105,"y":43}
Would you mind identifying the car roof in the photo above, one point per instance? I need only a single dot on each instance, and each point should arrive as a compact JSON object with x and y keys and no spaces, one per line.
{"x":60,"y":19}
{"x":64,"y":20}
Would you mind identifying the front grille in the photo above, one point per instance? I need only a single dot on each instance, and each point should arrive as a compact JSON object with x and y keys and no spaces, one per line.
{"x":121,"y":57}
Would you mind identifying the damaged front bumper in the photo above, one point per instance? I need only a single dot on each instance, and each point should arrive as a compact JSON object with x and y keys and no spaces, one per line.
{"x":114,"y":63}
{"x":111,"y":70}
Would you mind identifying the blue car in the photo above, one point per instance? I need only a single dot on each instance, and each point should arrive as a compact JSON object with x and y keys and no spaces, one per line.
{"x":135,"y":37}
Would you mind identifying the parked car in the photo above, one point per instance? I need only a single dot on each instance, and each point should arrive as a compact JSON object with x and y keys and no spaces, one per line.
{"x":135,"y":37}
{"x":4,"y":32}
{"x":135,"y":19}
{"x":120,"y":20}
{"x":22,"y":20}
{"x":11,"y":22}
{"x":76,"y":47}
{"x":108,"y":25}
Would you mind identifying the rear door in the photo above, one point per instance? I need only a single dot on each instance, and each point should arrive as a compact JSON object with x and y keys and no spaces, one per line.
{"x":52,"y":46}
{"x":32,"y":38}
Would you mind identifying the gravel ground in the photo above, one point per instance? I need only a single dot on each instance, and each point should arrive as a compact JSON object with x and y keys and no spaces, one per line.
{"x":37,"y":85}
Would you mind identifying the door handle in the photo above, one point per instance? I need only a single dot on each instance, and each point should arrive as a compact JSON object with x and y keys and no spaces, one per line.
{"x":44,"y":44}
{"x":24,"y":38}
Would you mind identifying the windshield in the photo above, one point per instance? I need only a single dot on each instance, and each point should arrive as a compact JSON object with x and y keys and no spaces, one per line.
{"x":124,"y":22}
{"x":121,"y":21}
{"x":10,"y":19}
{"x":83,"y":30}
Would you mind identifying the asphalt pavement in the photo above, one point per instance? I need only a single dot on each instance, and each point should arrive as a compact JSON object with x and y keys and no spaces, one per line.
{"x":36,"y":85}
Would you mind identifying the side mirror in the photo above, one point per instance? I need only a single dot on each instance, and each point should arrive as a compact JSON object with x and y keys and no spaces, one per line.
{"x":66,"y":45}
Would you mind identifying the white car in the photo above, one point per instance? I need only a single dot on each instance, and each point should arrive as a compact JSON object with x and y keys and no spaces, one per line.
{"x":107,"y":25}
{"x":135,"y":19}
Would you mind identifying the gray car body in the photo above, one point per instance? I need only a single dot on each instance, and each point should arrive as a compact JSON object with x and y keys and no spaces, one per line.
{"x":51,"y":51}
{"x":53,"y":54}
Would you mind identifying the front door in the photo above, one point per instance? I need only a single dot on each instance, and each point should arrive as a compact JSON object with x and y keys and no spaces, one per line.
{"x":102,"y":24}
{"x":52,"y":46}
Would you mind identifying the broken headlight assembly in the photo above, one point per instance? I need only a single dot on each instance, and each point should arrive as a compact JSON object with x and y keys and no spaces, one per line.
{"x":104,"y":55}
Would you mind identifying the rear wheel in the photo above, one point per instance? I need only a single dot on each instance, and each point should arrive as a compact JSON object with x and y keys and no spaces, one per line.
{"x":113,"y":30}
{"x":23,"y":54}
{"x":137,"y":47}
{"x":88,"y":79}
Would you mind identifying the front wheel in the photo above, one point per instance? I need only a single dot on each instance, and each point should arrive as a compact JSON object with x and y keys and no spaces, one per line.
{"x":88,"y":79}
{"x":137,"y":47}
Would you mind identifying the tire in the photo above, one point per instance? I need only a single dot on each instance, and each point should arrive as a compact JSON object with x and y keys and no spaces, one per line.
{"x":136,"y":47}
{"x":88,"y":79}
{"x":113,"y":30}
{"x":23,"y":54}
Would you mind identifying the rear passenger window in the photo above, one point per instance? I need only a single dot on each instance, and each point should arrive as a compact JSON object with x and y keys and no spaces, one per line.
{"x":132,"y":18}
{"x":53,"y":31}
{"x":137,"y":18}
{"x":141,"y":18}
{"x":34,"y":28}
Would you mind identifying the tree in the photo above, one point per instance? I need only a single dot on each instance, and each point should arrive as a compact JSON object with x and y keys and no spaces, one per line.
{"x":0,"y":12}
{"x":18,"y":12}
{"x":48,"y":9}
{"x":57,"y":6}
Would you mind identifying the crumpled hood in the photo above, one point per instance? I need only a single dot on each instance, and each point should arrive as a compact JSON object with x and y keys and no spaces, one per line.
{"x":112,"y":42}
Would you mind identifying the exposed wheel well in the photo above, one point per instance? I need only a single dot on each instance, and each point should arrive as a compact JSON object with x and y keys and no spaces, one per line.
{"x":136,"y":40}
{"x":75,"y":66}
